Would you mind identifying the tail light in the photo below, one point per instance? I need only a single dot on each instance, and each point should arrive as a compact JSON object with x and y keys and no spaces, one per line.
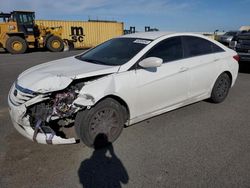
{"x":237,"y":58}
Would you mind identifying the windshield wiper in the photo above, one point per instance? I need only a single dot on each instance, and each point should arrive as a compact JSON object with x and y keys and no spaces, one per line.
{"x":92,"y":60}
{"x":95,"y":61}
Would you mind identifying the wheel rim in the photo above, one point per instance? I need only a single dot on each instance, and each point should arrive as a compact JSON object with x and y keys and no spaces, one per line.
{"x":222,"y":88}
{"x":105,"y":121}
{"x":55,"y":44}
{"x":17,"y":46}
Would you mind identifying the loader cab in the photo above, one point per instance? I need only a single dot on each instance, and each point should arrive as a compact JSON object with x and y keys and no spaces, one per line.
{"x":25,"y":21}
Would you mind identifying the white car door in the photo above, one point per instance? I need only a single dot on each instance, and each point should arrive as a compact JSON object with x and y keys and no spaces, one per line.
{"x":202,"y":62}
{"x":164,"y":86}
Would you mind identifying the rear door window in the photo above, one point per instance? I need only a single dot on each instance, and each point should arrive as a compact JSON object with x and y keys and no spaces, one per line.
{"x":196,"y":46}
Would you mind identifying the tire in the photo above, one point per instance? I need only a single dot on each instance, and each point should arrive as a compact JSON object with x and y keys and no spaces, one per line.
{"x":105,"y":118}
{"x":16,"y":45}
{"x":55,"y":44}
{"x":221,"y":88}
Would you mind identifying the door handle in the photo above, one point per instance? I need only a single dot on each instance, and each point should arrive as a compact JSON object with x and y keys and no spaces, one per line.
{"x":183,"y":69}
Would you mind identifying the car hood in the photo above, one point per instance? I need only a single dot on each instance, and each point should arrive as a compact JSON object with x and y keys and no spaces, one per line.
{"x":226,"y":37}
{"x":58,"y":74}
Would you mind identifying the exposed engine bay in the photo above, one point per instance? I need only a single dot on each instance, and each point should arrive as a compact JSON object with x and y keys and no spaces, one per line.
{"x":44,"y":116}
{"x":52,"y":112}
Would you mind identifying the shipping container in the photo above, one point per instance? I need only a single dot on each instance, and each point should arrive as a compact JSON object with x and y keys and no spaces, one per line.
{"x":86,"y":34}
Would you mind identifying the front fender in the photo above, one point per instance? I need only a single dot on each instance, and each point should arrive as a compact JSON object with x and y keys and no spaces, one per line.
{"x":95,"y":90}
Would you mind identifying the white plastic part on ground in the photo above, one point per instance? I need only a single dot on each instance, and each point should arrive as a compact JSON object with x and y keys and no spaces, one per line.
{"x":41,"y":138}
{"x":66,"y":47}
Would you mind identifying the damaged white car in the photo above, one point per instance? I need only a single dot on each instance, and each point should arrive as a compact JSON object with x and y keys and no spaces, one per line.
{"x":118,"y":83}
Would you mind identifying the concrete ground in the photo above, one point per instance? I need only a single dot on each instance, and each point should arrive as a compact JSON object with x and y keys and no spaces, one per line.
{"x":200,"y":145}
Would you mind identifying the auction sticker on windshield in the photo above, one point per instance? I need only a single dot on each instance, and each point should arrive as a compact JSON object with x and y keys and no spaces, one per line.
{"x":141,"y":41}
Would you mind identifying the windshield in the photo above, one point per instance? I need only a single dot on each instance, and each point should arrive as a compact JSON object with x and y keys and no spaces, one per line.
{"x":115,"y":51}
{"x":25,"y":18}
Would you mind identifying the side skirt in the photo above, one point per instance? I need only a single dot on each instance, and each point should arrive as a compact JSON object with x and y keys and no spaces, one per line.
{"x":164,"y":110}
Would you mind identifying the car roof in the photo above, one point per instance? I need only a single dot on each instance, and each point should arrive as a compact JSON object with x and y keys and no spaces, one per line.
{"x":147,"y":35}
{"x":159,"y":34}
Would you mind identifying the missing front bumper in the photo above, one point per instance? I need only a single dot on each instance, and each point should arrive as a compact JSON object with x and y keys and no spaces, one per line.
{"x":41,"y":138}
{"x":22,"y":125}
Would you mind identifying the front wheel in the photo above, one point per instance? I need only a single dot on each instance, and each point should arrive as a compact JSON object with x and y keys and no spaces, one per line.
{"x":221,"y":88}
{"x":16,"y":45}
{"x":105,"y":118}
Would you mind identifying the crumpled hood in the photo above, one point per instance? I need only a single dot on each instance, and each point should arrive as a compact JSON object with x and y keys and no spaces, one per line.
{"x":58,"y":74}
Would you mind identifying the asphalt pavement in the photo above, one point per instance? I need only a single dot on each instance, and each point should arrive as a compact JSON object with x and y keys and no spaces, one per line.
{"x":200,"y":145}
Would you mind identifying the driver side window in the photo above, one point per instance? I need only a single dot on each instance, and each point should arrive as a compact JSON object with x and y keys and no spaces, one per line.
{"x":168,"y":50}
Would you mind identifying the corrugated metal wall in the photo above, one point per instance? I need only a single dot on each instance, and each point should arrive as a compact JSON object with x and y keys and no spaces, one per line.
{"x":86,"y":34}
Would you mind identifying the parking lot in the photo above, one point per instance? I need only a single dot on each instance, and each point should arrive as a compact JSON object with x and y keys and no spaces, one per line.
{"x":200,"y":145}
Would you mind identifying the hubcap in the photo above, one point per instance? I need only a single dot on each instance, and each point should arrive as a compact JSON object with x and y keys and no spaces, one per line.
{"x":17,"y":46}
{"x":55,"y":44}
{"x":222,"y":88}
{"x":105,"y":121}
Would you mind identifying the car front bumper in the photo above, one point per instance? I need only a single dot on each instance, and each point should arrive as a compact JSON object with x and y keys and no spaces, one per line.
{"x":20,"y":120}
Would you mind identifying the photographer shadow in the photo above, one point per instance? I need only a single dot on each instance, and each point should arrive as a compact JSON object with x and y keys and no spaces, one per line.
{"x":103,"y":168}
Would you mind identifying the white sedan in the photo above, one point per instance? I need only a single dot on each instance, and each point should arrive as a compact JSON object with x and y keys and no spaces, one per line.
{"x":118,"y":83}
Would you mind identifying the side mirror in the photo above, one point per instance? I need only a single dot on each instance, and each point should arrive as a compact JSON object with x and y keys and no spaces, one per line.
{"x":151,"y":62}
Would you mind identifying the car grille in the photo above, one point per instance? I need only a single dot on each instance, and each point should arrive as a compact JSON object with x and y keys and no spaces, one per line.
{"x":19,"y":95}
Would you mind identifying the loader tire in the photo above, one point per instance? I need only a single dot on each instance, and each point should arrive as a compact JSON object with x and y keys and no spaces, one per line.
{"x":16,"y":45}
{"x":55,"y":44}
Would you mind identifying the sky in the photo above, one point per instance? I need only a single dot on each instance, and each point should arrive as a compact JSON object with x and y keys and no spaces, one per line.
{"x":166,"y":15}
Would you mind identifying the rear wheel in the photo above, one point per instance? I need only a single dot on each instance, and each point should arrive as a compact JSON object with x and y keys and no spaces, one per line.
{"x":55,"y":44}
{"x":106,"y":118}
{"x":16,"y":45}
{"x":221,"y":88}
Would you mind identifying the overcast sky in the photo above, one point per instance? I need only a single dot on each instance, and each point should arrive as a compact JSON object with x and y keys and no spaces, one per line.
{"x":169,"y":15}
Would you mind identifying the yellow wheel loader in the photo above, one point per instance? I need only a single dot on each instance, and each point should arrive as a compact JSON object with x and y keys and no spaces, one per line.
{"x":18,"y":32}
